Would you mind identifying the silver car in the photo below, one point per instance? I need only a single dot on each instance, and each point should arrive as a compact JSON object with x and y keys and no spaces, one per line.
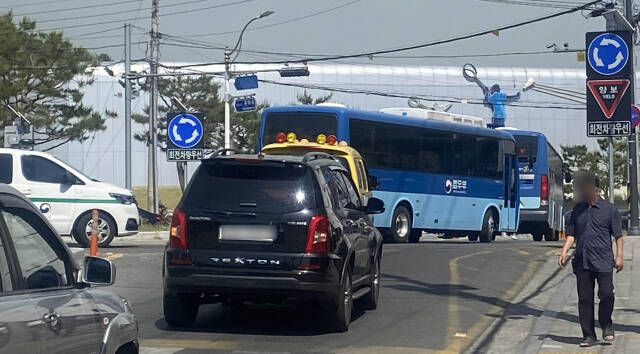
{"x":47,"y":303}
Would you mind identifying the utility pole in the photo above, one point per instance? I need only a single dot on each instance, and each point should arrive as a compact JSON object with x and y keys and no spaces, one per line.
{"x":127,"y":105}
{"x":152,"y":178}
{"x":227,"y":99}
{"x":634,"y":229}
{"x":611,"y":184}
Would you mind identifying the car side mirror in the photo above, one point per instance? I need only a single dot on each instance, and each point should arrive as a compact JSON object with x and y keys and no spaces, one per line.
{"x":374,"y":206}
{"x":567,"y":177}
{"x":98,"y":271}
{"x":373,"y":181}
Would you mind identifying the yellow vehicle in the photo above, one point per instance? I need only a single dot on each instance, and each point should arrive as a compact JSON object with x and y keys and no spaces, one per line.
{"x":350,"y":158}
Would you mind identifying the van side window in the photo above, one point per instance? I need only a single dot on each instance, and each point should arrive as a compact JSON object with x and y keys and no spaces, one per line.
{"x":6,"y":168}
{"x":5,"y":277}
{"x":39,"y":169}
{"x":40,"y":266}
{"x":362,"y":175}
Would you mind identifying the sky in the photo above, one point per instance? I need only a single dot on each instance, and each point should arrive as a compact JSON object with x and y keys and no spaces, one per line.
{"x":323,"y":27}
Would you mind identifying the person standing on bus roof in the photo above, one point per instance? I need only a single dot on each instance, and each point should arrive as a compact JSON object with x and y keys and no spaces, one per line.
{"x":592,"y":223}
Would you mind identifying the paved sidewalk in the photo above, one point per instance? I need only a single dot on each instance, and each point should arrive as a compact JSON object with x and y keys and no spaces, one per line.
{"x":543,"y":318}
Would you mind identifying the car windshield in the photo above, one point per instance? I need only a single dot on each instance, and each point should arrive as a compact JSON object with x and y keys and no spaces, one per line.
{"x":251,"y":187}
{"x":305,"y":126}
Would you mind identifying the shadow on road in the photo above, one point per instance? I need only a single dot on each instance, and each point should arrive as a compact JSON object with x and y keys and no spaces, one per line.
{"x":259,"y":319}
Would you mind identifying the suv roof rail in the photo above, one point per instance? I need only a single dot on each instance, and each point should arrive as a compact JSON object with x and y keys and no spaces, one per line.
{"x":315,"y":155}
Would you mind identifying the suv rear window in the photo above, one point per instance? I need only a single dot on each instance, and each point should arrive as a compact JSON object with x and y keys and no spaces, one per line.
{"x":6,"y":168}
{"x":262,"y":187}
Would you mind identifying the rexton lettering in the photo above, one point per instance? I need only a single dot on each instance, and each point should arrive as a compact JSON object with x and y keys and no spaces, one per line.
{"x":243,"y":261}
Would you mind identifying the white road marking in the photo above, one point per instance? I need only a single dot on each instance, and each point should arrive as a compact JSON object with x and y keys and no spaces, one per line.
{"x":551,"y":346}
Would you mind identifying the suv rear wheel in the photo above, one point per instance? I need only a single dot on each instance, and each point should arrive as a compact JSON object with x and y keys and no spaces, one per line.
{"x":180,"y":309}
{"x":342,"y":315}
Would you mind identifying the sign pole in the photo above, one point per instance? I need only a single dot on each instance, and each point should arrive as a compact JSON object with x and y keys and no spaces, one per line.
{"x":611,"y":184}
{"x":634,"y":228}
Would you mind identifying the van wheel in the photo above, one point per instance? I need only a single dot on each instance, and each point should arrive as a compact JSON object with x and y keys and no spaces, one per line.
{"x":180,"y":309}
{"x":400,"y":229}
{"x":537,"y":236}
{"x":107,"y":229}
{"x":342,"y":311}
{"x":415,"y":236}
{"x":488,"y":227}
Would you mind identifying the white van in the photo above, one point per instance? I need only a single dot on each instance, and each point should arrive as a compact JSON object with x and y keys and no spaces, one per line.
{"x":66,"y":197}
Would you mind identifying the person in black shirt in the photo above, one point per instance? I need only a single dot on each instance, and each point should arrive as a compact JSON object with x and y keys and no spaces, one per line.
{"x":592,"y":223}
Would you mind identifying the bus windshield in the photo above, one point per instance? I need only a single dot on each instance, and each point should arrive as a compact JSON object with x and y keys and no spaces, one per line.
{"x":306,"y":126}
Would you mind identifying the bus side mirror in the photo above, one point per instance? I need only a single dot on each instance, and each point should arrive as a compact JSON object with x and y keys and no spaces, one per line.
{"x":567,"y":177}
{"x":373,"y":181}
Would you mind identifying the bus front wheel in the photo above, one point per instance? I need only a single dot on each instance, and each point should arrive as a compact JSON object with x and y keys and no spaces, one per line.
{"x":401,"y":224}
{"x":488,"y":227}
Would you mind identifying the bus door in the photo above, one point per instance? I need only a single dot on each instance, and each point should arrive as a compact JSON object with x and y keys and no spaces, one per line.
{"x":511,"y":199}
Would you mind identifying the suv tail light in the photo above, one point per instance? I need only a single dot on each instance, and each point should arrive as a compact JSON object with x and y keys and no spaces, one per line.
{"x":178,"y":231}
{"x":318,"y":235}
{"x":544,"y":190}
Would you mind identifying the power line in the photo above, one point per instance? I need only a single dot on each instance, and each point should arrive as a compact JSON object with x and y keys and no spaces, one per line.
{"x":75,"y":8}
{"x":371,"y":54}
{"x":118,"y":12}
{"x":135,"y":18}
{"x":36,"y":3}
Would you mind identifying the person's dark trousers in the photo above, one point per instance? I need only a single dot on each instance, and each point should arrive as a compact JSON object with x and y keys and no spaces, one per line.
{"x":586,"y":280}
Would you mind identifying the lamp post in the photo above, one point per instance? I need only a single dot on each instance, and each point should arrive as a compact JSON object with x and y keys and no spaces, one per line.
{"x":228,"y":75}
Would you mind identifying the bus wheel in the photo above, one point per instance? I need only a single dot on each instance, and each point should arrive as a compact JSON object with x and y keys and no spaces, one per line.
{"x":415,"y":236}
{"x":549,"y":235}
{"x":488,"y":227}
{"x":401,"y":222}
{"x":537,"y":236}
{"x":473,"y":236}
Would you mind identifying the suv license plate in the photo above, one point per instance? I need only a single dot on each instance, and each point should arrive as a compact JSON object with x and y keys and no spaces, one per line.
{"x":261,"y":233}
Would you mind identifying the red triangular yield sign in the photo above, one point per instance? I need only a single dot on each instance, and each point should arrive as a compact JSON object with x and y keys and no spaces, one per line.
{"x":608,"y":94}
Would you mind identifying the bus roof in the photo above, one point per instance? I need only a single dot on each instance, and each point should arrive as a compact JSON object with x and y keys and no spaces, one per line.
{"x":392,"y":119}
{"x":526,"y":132}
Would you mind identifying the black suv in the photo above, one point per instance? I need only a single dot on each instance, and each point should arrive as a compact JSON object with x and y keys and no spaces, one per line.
{"x":272,"y":228}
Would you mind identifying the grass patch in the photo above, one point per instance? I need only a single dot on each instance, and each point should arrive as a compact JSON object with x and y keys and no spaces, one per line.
{"x":168,"y":195}
{"x":145,"y":226}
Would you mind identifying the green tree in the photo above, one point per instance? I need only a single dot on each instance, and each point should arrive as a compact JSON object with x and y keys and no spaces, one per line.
{"x":579,"y":158}
{"x":306,"y":98}
{"x":200,"y":94}
{"x":43,"y":77}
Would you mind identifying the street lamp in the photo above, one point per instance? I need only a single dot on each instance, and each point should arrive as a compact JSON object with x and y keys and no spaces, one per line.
{"x":228,"y":75}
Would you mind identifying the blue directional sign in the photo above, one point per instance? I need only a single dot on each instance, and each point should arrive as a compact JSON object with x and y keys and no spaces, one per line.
{"x":245,"y":104}
{"x":185,"y":130}
{"x":246,"y":82}
{"x":608,"y":54}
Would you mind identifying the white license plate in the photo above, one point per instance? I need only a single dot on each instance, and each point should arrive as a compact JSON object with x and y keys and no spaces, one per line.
{"x":261,"y":233}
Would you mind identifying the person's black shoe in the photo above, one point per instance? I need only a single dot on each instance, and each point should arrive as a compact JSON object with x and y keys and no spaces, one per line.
{"x":588,"y":342}
{"x":608,"y":335}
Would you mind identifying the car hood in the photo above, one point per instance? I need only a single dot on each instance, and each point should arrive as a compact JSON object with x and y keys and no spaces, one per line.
{"x":110,"y":188}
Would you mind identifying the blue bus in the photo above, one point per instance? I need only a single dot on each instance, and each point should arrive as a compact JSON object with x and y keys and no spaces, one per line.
{"x":541,"y":180}
{"x":433,"y":176}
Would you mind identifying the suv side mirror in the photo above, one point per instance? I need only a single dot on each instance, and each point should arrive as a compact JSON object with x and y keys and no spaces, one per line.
{"x":567,"y":177}
{"x":98,"y":271}
{"x":374,"y":206}
{"x":373,"y":181}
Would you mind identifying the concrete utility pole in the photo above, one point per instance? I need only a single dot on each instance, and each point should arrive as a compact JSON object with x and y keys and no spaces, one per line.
{"x":611,"y":184}
{"x":127,"y":106}
{"x":634,"y":229}
{"x":152,"y":179}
